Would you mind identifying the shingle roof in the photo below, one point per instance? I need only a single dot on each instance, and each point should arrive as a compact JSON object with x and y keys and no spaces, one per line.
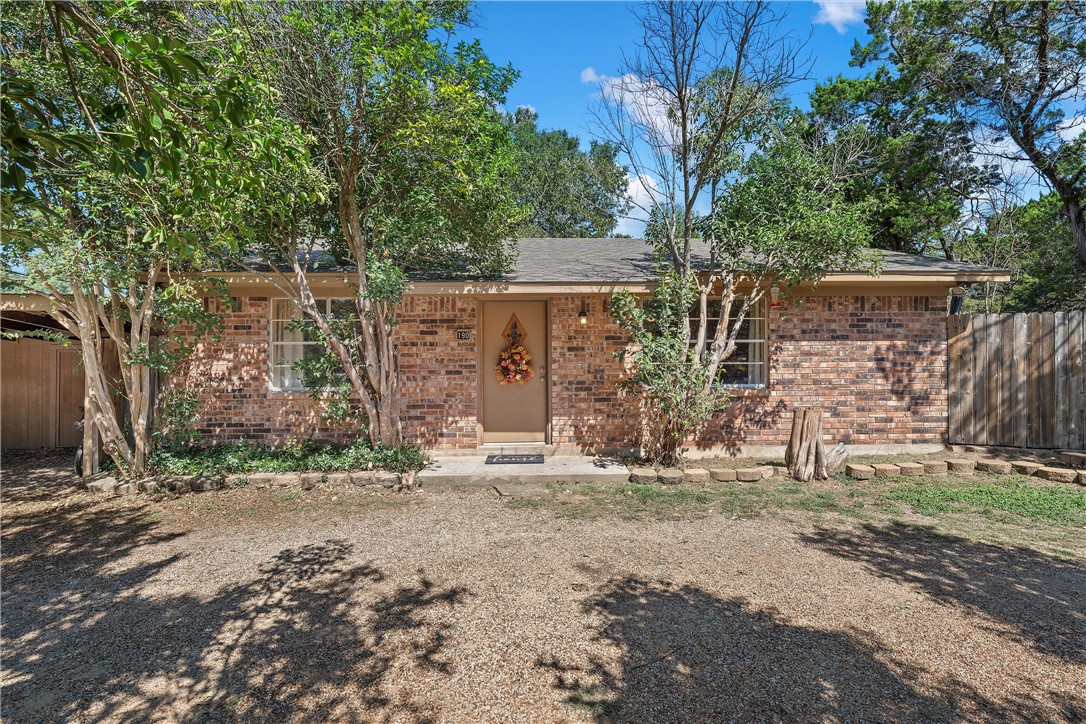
{"x":631,"y":260}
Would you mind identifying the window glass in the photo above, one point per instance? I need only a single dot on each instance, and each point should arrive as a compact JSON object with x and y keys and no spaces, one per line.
{"x":748,"y":364}
{"x":288,"y":346}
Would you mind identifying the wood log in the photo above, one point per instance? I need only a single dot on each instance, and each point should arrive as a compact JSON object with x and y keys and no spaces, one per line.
{"x":835,"y":459}
{"x":806,"y":454}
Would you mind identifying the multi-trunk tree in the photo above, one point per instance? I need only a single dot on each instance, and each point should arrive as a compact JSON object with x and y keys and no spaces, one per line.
{"x":743,"y":196}
{"x":125,"y":151}
{"x":401,"y":125}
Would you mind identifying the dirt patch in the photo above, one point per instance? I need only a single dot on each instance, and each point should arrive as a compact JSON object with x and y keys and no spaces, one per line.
{"x":457,"y":606}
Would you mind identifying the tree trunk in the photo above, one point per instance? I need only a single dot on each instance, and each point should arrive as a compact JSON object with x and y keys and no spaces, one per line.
{"x":1076,"y":217}
{"x":806,"y":454}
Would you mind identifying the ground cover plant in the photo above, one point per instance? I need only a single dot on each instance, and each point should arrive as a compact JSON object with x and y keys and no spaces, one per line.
{"x":299,"y":456}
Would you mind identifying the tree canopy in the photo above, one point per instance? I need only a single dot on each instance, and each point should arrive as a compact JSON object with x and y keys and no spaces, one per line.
{"x":1015,"y":69}
{"x":126,"y":150}
{"x":400,"y":121}
{"x":565,"y":191}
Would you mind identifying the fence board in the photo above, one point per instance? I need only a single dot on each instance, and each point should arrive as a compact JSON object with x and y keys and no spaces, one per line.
{"x":991,"y":377}
{"x":1061,"y":383}
{"x":1006,"y":376}
{"x":1076,"y":373}
{"x":1034,"y":365}
{"x":1048,"y":381}
{"x":1017,"y":379}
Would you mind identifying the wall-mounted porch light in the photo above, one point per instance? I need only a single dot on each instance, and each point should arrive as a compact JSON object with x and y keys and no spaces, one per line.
{"x":775,"y":296}
{"x":583,"y":316}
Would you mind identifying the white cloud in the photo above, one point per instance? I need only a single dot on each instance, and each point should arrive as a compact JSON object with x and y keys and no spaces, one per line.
{"x":643,"y":192}
{"x":529,"y":106}
{"x":644,"y":102}
{"x":1001,"y":151}
{"x":1072,"y":128}
{"x":839,"y":13}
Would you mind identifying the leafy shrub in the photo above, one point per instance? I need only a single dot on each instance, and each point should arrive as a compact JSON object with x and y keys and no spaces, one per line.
{"x":246,"y":457}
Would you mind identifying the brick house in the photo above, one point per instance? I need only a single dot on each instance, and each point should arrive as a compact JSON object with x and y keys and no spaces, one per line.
{"x":871,"y":351}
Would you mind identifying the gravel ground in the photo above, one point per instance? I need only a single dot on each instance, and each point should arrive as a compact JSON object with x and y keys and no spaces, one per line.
{"x":453,"y":606}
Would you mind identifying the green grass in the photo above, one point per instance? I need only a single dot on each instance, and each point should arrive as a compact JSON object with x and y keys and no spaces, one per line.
{"x":1000,"y":509}
{"x":1013,"y":495}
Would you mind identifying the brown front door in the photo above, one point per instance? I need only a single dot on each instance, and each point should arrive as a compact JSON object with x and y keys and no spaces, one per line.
{"x":514,"y":412}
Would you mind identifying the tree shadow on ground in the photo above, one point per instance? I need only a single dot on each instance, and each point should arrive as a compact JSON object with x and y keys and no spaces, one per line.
{"x":685,"y":654}
{"x":1036,"y":599}
{"x":38,"y":473}
{"x":313,"y":634}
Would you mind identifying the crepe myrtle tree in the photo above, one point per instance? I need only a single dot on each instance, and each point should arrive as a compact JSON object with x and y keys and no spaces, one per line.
{"x":781,"y":221}
{"x":701,"y":91}
{"x":126,"y":148}
{"x":402,"y":128}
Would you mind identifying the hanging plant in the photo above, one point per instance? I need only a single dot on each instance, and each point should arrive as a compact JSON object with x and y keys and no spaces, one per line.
{"x":514,"y":365}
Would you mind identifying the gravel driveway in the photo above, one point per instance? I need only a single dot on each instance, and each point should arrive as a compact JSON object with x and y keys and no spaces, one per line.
{"x":454,"y":606}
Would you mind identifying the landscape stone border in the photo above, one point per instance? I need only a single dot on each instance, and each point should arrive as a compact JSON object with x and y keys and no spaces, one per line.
{"x":961,"y":466}
{"x":106,"y":484}
{"x":862,"y":471}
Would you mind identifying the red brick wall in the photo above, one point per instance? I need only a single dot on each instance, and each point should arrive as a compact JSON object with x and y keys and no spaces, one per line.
{"x":876,"y":365}
{"x":587,"y":410}
{"x":438,"y":378}
{"x":439,"y":375}
{"x":231,"y":379}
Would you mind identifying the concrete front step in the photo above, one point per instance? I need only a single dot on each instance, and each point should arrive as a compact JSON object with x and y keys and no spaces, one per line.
{"x":473,"y":472}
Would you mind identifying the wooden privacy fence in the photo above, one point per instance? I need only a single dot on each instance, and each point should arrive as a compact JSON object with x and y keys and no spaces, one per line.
{"x":1018,"y":380}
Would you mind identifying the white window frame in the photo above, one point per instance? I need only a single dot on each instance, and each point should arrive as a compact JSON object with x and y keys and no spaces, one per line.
{"x":759,"y":325}
{"x":274,"y":344}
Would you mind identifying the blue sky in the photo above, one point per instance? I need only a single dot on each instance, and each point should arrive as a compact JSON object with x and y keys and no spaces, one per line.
{"x":559,"y":46}
{"x":553,"y":43}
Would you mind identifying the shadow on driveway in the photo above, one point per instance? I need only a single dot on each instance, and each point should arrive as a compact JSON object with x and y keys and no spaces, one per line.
{"x":688,"y":655}
{"x":1038,"y":599}
{"x":313,"y":632}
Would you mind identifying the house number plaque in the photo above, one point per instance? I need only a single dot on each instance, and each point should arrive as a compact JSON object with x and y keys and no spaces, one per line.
{"x":463,"y":334}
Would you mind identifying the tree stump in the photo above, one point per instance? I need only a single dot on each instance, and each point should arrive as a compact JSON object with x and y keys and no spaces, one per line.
{"x":806,"y":454}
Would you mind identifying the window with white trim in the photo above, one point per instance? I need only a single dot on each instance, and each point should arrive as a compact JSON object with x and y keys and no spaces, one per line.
{"x":748,"y":365}
{"x":289,"y":345}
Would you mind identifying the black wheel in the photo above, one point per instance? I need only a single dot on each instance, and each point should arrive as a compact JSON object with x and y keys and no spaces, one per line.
{"x":79,"y":461}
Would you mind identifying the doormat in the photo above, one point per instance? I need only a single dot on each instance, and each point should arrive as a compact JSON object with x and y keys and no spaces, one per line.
{"x":533,"y":459}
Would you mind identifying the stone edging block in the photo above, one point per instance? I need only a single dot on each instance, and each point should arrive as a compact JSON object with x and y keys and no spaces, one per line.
{"x":670,"y":476}
{"x":1074,"y":459}
{"x":961,"y":466}
{"x":1058,"y":475}
{"x":1001,"y":467}
{"x":1026,"y":467}
{"x":695,"y":475}
{"x":911,"y":469}
{"x":859,"y":472}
